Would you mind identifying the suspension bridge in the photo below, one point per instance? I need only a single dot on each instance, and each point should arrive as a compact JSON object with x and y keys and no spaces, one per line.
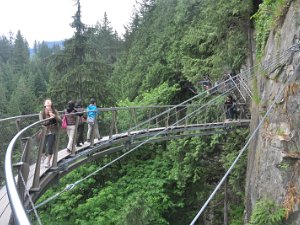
{"x":123,"y":129}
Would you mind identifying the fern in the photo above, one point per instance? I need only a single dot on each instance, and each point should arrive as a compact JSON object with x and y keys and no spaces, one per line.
{"x":267,"y":212}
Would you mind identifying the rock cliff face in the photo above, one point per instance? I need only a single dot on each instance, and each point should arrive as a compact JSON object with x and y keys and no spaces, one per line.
{"x":274,"y":154}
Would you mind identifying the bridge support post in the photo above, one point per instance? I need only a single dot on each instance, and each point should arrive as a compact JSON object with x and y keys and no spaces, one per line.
{"x":167,"y":118}
{"x":113,"y":124}
{"x":156,"y":118}
{"x":55,"y":151}
{"x":18,"y":126}
{"x":149,"y":119}
{"x":23,"y":169}
{"x":36,"y":179}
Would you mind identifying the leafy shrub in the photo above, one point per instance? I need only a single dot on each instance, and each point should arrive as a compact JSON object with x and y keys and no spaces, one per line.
{"x":267,"y":212}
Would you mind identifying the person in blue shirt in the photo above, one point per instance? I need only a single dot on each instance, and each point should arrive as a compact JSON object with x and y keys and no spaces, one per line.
{"x":92,"y":114}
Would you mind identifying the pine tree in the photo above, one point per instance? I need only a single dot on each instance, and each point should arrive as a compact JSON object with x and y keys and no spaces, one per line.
{"x":85,"y":64}
{"x":20,"y":53}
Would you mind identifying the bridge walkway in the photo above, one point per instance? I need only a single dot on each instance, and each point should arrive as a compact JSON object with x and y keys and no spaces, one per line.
{"x":66,"y":161}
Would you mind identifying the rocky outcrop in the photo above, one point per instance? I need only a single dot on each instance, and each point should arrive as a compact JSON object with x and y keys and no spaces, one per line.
{"x":274,"y":154}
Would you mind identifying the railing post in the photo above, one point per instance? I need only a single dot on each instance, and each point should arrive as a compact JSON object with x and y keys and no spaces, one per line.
{"x":168,"y":117}
{"x":55,"y":150}
{"x":18,"y":126}
{"x":134,"y":117}
{"x":235,"y":84}
{"x":23,"y":169}
{"x":176,"y":115}
{"x":36,"y":178}
{"x":156,"y":119}
{"x":186,"y":118}
{"x":113,"y":123}
{"x":197,"y":118}
{"x":130,"y":121}
{"x":149,"y":117}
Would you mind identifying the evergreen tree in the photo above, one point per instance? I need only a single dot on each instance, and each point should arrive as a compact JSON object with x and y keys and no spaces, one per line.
{"x":23,"y":101}
{"x":3,"y":99}
{"x":85,"y":64}
{"x":6,"y":49}
{"x":20,"y":53}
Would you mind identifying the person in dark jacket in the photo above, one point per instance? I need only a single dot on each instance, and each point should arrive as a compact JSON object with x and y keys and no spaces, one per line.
{"x":80,"y":128}
{"x":229,"y":107}
{"x":52,"y":128}
{"x":70,"y":114}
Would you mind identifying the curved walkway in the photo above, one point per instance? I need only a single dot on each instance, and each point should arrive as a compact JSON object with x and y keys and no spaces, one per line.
{"x":105,"y":146}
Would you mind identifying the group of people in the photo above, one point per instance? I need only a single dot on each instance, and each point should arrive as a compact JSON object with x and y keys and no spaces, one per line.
{"x":72,"y":111}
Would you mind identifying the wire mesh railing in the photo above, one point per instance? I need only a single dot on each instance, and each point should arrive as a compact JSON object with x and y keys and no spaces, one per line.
{"x":128,"y":119}
{"x":113,"y":121}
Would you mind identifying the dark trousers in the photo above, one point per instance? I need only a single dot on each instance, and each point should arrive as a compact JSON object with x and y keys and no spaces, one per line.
{"x":229,"y":113}
{"x":49,"y":143}
{"x":80,"y":131}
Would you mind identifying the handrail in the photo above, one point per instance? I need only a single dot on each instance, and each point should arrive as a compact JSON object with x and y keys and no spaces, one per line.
{"x":15,"y":199}
{"x":11,"y":188}
{"x":16,"y":203}
{"x":106,"y":109}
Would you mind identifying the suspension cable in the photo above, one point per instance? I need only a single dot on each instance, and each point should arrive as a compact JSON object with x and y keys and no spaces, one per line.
{"x":241,"y":151}
{"x":71,"y":186}
{"x":30,"y":200}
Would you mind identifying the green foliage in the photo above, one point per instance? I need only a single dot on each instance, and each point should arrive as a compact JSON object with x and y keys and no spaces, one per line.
{"x":83,"y":68}
{"x":236,"y":215}
{"x":256,"y":96}
{"x":267,"y":212}
{"x":20,"y":54}
{"x":3,"y":99}
{"x":268,"y":17}
{"x":209,"y":113}
{"x":115,"y":200}
{"x":151,"y":186}
{"x":21,"y":97}
{"x":213,"y":46}
{"x":235,"y":141}
{"x":160,"y":95}
{"x":196,"y":43}
{"x":6,"y":49}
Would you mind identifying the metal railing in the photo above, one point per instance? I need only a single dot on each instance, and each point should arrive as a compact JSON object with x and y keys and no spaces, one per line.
{"x":112,"y":121}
